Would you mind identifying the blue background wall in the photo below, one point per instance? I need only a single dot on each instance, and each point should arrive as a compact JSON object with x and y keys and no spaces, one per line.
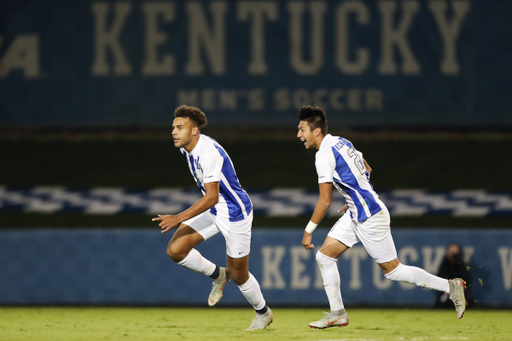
{"x":130,"y":266}
{"x":369,"y":63}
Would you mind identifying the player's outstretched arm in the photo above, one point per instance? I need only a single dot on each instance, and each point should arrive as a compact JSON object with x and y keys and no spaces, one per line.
{"x":210,"y":199}
{"x":322,"y":206}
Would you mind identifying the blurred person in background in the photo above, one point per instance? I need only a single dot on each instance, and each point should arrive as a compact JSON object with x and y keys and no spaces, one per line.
{"x":366,"y":220}
{"x":225,"y":207}
{"x":453,"y":266}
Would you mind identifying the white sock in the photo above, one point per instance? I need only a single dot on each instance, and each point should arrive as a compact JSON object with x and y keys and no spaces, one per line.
{"x":195,"y":261}
{"x":331,"y":278}
{"x":252,"y":293}
{"x":414,"y":275}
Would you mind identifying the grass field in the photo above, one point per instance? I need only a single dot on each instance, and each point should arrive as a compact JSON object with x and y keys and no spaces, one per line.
{"x":54,"y":323}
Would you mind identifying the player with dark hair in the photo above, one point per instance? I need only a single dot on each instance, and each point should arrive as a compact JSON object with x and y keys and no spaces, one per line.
{"x":225,"y":207}
{"x":366,"y":219}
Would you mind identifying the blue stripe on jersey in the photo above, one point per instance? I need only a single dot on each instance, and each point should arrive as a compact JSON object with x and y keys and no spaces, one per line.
{"x":234,"y":208}
{"x":347,"y":177}
{"x":213,"y":210}
{"x":191,"y":160}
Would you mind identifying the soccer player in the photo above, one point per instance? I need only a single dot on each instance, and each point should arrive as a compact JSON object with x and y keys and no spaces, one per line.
{"x":366,"y":219}
{"x":225,"y":207}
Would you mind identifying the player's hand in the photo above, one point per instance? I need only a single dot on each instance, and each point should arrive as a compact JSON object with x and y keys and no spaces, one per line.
{"x":344,"y":209}
{"x":167,"y":222}
{"x":306,"y":241}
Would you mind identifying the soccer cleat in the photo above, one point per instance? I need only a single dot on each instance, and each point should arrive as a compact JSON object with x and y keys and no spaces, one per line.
{"x":457,"y":287}
{"x":331,"y":321}
{"x":262,"y":321}
{"x":218,"y":287}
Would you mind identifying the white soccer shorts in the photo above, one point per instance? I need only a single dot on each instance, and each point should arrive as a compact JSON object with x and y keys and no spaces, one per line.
{"x":236,"y":233}
{"x":374,"y":233}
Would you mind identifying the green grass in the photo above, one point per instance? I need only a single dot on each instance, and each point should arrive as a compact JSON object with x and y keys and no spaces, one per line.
{"x":106,"y":323}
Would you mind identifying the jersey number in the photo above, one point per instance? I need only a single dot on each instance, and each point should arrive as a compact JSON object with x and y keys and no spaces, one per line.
{"x":357,"y":160}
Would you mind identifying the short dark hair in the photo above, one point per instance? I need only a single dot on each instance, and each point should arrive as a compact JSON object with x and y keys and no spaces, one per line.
{"x":315,"y":116}
{"x":193,"y":113}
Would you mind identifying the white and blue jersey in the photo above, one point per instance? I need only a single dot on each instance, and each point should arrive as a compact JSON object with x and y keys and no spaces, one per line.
{"x":209,"y":162}
{"x":337,"y":161}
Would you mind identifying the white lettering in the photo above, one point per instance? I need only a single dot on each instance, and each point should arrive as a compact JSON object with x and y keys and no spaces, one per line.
{"x":356,"y":255}
{"x":506,"y":266}
{"x":155,"y":38}
{"x":320,"y":97}
{"x":223,"y":99}
{"x":330,"y":99}
{"x":22,"y":54}
{"x":469,"y":251}
{"x":282,"y":99}
{"x":449,"y":31}
{"x":109,"y":39}
{"x":258,"y":11}
{"x":213,"y":40}
{"x":374,"y":99}
{"x":379,"y":280}
{"x":406,"y":254}
{"x":299,"y":280}
{"x":354,"y":99}
{"x":300,"y":97}
{"x":392,"y":37}
{"x":334,"y":99}
{"x":208,"y":99}
{"x":228,"y":99}
{"x":296,"y":10}
{"x":319,"y":281}
{"x":272,"y":277}
{"x":188,"y":97}
{"x":343,"y":47}
{"x":432,"y":258}
{"x":256,"y":99}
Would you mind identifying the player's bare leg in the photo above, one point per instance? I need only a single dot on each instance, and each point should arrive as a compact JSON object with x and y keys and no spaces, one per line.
{"x":238,"y":271}
{"x":181,"y":250}
{"x":184,"y":239}
{"x":327,"y":262}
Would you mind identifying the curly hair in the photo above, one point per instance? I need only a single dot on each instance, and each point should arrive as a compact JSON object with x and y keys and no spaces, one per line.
{"x":193,"y":113}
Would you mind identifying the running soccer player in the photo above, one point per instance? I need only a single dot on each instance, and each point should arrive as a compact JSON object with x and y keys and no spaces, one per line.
{"x":225,"y":207}
{"x":366,"y":219}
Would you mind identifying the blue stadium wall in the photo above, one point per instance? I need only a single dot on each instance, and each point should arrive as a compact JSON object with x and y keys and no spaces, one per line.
{"x":90,"y":63}
{"x":130,"y":267}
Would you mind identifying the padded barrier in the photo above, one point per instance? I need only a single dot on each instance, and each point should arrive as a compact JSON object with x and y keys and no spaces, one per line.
{"x":130,"y":267}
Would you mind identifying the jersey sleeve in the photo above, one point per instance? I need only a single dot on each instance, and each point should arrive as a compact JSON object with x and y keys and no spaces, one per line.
{"x":211,"y":164}
{"x":325,"y":165}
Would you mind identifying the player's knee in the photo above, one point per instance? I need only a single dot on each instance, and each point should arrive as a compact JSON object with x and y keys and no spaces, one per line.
{"x":175,"y":253}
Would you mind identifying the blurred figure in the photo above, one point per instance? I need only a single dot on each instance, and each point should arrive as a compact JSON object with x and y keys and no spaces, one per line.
{"x":453,"y":266}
